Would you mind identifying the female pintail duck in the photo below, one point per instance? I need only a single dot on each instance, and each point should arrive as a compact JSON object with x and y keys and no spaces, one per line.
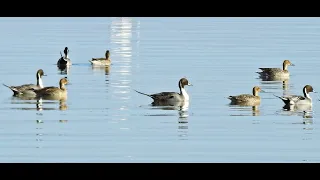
{"x":277,"y":72}
{"x":53,"y":92}
{"x":247,"y":99}
{"x":64,"y":60}
{"x":19,"y":90}
{"x":106,"y":61}
{"x":171,"y":96}
{"x":297,"y":99}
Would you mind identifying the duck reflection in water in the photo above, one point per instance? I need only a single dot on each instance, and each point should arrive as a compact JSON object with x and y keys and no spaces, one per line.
{"x":254,"y":110}
{"x":39,"y":104}
{"x":182,"y":108}
{"x":62,"y":105}
{"x":301,"y":108}
{"x":63,"y":69}
{"x":284,"y":84}
{"x":105,"y":69}
{"x":307,"y":117}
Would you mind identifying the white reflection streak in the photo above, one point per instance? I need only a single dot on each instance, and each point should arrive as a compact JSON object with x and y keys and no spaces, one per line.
{"x":121,"y":34}
{"x":121,"y":40}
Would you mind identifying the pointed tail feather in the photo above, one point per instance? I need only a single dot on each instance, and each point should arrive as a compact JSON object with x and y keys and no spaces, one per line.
{"x":143,"y":93}
{"x":13,"y":89}
{"x":285,"y":100}
{"x":263,"y":74}
{"x":10,"y":87}
{"x":6,"y":86}
{"x":263,"y":69}
{"x":278,"y":97}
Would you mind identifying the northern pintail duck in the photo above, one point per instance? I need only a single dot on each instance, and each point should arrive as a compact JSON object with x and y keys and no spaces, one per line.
{"x":106,"y":61}
{"x":247,"y":99}
{"x":21,"y":90}
{"x":53,"y":92}
{"x":297,"y":99}
{"x":171,"y":97}
{"x":64,"y":60}
{"x":277,"y":72}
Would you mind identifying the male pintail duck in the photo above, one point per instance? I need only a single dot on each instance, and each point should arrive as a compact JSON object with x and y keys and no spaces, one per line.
{"x":64,"y":60}
{"x":297,"y":99}
{"x":53,"y":92}
{"x":277,"y":72}
{"x":247,"y":99}
{"x":171,"y":96}
{"x":106,"y":61}
{"x":19,"y":90}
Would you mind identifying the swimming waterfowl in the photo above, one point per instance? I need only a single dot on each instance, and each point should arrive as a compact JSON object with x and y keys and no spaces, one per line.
{"x":19,"y":90}
{"x":53,"y":92}
{"x":277,"y":72}
{"x":297,"y":99}
{"x":106,"y":61}
{"x":64,"y":60}
{"x":171,"y":97}
{"x":247,"y":99}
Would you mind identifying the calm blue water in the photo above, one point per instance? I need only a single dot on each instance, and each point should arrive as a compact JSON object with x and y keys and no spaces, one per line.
{"x":104,"y":120}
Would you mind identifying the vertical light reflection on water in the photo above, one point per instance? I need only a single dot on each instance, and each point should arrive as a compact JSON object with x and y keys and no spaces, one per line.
{"x":308,"y":121}
{"x":183,"y":122}
{"x":39,"y":134}
{"x":39,"y":129}
{"x":121,"y":43}
{"x":40,"y":107}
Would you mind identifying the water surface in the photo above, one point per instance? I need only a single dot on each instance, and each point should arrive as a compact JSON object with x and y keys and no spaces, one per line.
{"x":105,"y":120}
